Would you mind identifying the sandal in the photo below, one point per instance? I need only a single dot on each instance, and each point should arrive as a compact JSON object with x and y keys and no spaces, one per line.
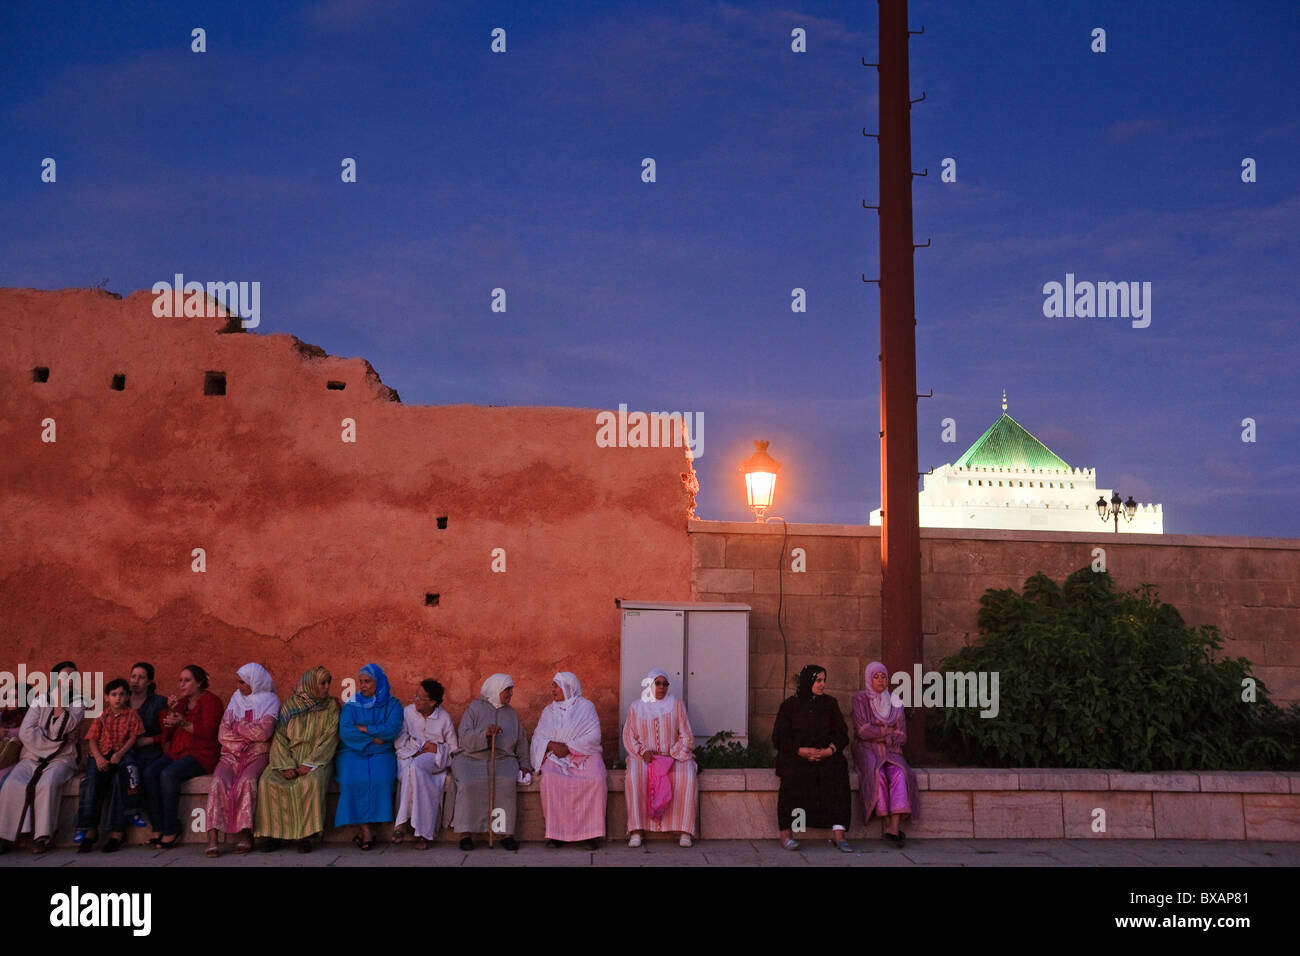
{"x":243,"y":846}
{"x":421,"y":843}
{"x":164,"y":845}
{"x":398,"y":835}
{"x":112,"y":846}
{"x":155,"y":841}
{"x":41,"y":845}
{"x":363,"y":844}
{"x":212,"y":852}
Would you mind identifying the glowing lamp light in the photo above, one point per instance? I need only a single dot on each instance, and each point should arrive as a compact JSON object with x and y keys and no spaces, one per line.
{"x":760,"y":471}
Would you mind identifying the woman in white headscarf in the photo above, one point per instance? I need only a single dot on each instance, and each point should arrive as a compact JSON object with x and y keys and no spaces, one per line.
{"x":489,"y":723}
{"x":661,"y":789}
{"x":566,"y":752}
{"x":245,"y":735}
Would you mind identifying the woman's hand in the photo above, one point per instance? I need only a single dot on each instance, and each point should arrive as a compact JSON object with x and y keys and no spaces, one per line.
{"x":303,"y":770}
{"x":289,"y":774}
{"x":363,"y":728}
{"x":101,"y":763}
{"x":557,"y":748}
{"x":377,"y":740}
{"x":429,"y":748}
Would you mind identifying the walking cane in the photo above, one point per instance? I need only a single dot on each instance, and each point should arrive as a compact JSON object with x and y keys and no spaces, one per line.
{"x":492,"y":787}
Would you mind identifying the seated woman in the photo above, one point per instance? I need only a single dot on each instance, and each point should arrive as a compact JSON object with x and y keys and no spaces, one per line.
{"x":190,"y":749}
{"x":367,"y":765}
{"x":291,"y":791}
{"x":566,"y":752}
{"x":885,"y":781}
{"x":661,"y":786}
{"x":490,"y":725}
{"x":245,"y":735}
{"x":50,"y":732}
{"x":109,"y":743}
{"x":810,"y":738}
{"x":424,"y":748}
{"x":150,"y":706}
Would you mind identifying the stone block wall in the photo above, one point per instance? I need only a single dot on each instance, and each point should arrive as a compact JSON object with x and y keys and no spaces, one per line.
{"x":1248,"y":587}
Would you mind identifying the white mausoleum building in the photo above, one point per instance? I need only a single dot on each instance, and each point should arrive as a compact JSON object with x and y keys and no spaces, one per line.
{"x":1009,"y":480}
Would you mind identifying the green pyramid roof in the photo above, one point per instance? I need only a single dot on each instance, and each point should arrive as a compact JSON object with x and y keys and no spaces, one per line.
{"x":1008,"y":445}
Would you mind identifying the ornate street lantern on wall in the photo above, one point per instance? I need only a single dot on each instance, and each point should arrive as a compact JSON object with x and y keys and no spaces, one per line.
{"x":760,"y":471}
{"x":1114,"y":508}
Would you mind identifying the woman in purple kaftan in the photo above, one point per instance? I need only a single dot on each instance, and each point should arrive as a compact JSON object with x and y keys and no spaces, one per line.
{"x":885,"y":781}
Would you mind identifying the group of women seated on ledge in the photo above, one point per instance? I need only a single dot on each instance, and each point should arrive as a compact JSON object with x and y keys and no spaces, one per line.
{"x":271,"y":763}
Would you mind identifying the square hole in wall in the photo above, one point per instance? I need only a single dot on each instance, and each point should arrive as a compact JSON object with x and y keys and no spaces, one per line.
{"x":119,"y":383}
{"x":336,"y":386}
{"x":214,"y":383}
{"x":40,"y":374}
{"x":431,"y":600}
{"x":442,"y":522}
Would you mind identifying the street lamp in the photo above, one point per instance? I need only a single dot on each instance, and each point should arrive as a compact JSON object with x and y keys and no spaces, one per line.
{"x":1115,"y":507}
{"x":760,"y":471}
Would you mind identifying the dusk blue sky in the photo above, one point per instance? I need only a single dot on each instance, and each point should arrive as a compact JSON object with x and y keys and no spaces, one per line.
{"x":523,"y":171}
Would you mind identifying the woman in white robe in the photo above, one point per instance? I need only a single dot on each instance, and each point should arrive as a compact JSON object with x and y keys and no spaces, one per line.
{"x":566,"y":752}
{"x":29,"y":798}
{"x":424,"y":748}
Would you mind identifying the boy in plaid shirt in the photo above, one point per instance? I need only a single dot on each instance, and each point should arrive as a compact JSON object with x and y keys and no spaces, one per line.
{"x":109,"y":740}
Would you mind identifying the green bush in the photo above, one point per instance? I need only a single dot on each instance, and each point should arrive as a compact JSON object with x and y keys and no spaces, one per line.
{"x":1089,"y":677}
{"x":723,"y":752}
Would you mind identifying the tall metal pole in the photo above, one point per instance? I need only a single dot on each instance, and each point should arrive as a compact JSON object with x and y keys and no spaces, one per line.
{"x":900,"y":534}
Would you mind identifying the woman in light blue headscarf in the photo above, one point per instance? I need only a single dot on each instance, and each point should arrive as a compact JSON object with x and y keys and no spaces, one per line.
{"x":366,"y":763}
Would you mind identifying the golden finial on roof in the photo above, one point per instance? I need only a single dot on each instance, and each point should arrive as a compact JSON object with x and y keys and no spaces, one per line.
{"x":1004,"y":399}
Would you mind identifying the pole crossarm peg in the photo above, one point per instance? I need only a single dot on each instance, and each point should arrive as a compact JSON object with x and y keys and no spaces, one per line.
{"x":865,"y":206}
{"x":919,"y":99}
{"x":929,"y":394}
{"x":926,"y":173}
{"x":865,"y":279}
{"x":875,"y":136}
{"x":865,"y":63}
{"x":920,"y":473}
{"x":916,"y":33}
{"x":921,"y":245}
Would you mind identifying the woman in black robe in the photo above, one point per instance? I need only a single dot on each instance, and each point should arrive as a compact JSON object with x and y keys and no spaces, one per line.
{"x":810,"y":738}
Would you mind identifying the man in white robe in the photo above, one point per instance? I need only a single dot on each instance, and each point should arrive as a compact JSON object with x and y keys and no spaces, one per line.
{"x":424,"y":747}
{"x":29,"y":798}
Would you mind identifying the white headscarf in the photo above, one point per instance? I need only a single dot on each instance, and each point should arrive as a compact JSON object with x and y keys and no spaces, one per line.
{"x":261,"y":701}
{"x":493,"y":686}
{"x":572,"y":721}
{"x":647,"y":705}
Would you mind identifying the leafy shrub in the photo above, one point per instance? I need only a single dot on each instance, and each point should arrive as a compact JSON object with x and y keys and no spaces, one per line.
{"x":722,"y":752}
{"x":1089,"y":677}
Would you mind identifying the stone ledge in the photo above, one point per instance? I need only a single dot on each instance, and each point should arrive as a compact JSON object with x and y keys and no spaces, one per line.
{"x":959,"y":802}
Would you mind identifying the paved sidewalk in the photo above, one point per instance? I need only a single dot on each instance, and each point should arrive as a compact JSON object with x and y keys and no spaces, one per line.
{"x":708,"y":853}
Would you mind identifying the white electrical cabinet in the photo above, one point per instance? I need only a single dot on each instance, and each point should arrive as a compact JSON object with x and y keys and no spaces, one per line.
{"x":704,"y":648}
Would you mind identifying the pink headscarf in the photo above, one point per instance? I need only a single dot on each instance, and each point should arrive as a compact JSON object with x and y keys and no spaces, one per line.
{"x":882,"y":704}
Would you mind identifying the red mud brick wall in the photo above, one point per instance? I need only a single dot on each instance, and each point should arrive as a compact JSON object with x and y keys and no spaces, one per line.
{"x":317,"y":551}
{"x":1248,"y":587}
